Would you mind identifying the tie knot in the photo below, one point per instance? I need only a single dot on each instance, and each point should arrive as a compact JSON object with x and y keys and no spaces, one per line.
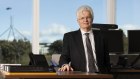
{"x":87,"y":34}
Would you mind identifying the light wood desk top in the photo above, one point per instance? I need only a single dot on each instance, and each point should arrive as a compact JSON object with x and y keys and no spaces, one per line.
{"x":74,"y":74}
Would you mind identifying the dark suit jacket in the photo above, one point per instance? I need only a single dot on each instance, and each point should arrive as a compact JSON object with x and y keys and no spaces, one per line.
{"x":73,"y":51}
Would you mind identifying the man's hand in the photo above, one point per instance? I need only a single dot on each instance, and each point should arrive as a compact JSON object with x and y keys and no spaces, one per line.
{"x":65,"y":67}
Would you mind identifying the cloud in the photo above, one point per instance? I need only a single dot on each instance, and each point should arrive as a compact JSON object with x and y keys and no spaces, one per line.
{"x":15,"y":34}
{"x":126,"y":27}
{"x":48,"y":34}
{"x":53,"y":32}
{"x":23,"y":34}
{"x":26,"y":33}
{"x":56,"y":31}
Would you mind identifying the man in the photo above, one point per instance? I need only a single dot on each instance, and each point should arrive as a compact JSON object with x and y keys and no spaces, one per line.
{"x":75,"y":56}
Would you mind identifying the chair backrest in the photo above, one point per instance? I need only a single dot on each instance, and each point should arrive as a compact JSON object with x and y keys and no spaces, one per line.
{"x":55,"y":59}
{"x":114,"y":40}
{"x":133,"y":41}
{"x":104,"y":26}
{"x":38,"y":60}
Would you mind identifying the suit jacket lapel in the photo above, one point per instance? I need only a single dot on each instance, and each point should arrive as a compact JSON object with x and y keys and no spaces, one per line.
{"x":80,"y":46}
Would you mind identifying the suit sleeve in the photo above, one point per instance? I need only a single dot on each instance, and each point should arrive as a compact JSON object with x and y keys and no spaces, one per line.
{"x":65,"y":56}
{"x":107,"y":57}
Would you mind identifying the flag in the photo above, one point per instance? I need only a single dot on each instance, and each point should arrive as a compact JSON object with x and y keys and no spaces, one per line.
{"x":8,"y":8}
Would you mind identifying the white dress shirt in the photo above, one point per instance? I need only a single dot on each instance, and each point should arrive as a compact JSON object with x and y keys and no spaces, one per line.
{"x":91,"y":37}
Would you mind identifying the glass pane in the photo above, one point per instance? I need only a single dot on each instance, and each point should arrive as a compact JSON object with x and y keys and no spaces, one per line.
{"x":16,"y":27}
{"x":59,"y":16}
{"x":128,"y":14}
{"x":127,"y":17}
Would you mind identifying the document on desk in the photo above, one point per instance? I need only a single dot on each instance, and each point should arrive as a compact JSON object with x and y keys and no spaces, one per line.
{"x":27,"y":68}
{"x":3,"y":65}
{"x":28,"y":73}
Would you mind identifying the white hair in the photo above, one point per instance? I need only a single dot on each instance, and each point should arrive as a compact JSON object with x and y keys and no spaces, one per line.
{"x":85,"y":7}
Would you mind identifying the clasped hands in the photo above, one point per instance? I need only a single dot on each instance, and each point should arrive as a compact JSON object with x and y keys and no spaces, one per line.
{"x":66,"y":67}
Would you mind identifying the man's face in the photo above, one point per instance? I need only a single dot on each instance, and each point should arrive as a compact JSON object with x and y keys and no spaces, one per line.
{"x":85,"y":19}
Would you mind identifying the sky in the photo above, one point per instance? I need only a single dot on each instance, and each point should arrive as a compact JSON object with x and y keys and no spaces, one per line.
{"x":59,"y":16}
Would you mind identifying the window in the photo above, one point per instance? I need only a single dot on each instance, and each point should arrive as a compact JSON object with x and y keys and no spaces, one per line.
{"x":127,"y":17}
{"x":128,"y":14}
{"x":16,"y":27}
{"x":59,"y":17}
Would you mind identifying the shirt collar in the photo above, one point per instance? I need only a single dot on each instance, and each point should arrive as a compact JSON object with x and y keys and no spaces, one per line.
{"x":83,"y":32}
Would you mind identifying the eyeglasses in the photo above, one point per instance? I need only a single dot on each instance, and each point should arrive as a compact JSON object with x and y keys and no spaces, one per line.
{"x":85,"y":18}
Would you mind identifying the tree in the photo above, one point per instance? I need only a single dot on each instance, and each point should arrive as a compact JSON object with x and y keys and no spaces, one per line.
{"x":13,"y":51}
{"x":125,"y":42}
{"x":55,"y":47}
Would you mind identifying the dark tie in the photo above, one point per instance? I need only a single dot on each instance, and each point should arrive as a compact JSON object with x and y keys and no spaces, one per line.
{"x":91,"y":59}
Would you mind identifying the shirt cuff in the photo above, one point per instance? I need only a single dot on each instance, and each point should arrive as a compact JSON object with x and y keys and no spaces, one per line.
{"x":64,"y":65}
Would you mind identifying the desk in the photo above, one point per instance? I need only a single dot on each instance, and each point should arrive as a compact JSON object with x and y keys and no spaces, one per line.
{"x":131,"y":70}
{"x":126,"y":73}
{"x":74,"y":74}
